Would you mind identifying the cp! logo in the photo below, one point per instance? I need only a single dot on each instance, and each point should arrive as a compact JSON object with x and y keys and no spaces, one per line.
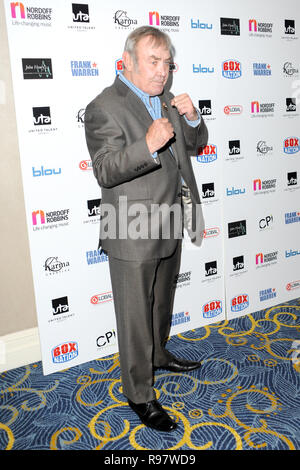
{"x":240,"y":302}
{"x":212,"y":309}
{"x":207,"y":154}
{"x":64,"y":352}
{"x":231,"y":69}
{"x":291,"y":145}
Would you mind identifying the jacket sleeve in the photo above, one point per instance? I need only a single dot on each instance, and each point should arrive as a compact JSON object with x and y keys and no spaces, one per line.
{"x":114,"y":160}
{"x":195,"y":137}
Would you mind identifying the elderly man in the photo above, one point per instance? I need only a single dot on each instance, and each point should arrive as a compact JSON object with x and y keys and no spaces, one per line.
{"x":140,"y":138}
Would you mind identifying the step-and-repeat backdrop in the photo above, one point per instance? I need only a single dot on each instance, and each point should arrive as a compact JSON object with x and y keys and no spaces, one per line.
{"x":240,"y":63}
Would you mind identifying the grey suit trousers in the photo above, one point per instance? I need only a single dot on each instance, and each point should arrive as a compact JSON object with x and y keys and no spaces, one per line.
{"x":143,"y":294}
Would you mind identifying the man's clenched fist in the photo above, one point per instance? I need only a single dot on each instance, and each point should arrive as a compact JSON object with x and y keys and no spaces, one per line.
{"x":185,"y":106}
{"x":159,"y":133}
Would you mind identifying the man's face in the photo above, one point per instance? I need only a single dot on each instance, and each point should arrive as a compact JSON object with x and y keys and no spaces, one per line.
{"x":151,"y":72}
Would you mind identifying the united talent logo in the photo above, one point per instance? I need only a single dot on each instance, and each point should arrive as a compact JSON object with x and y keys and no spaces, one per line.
{"x":290,"y":105}
{"x":265,"y":109}
{"x":84,"y":68}
{"x":231,"y":69}
{"x":155,"y":19}
{"x":180,"y":318}
{"x":259,"y":28}
{"x":122,"y":20}
{"x":234,"y":153}
{"x":204,"y":107}
{"x":267,"y":294}
{"x":41,"y":116}
{"x":35,"y":69}
{"x":208,"y":190}
{"x":212,"y":309}
{"x":60,"y":305}
{"x":239,"y":303}
{"x":38,"y":16}
{"x":230,"y":26}
{"x":80,"y":13}
{"x":237,"y":229}
{"x":238,"y":263}
{"x":261,"y":69}
{"x":93,"y":206}
{"x":64,"y":352}
{"x":211,"y":268}
{"x":207,"y":154}
{"x":291,"y":145}
{"x":289,"y":27}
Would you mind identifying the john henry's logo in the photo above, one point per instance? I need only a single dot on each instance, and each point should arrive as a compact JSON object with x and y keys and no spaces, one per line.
{"x":230,"y":26}
{"x":207,"y":154}
{"x":80,"y":13}
{"x":41,"y":116}
{"x":60,"y":305}
{"x":34,"y":69}
{"x":231,"y":69}
{"x":237,"y":229}
{"x":239,"y":303}
{"x":64,"y":352}
{"x":93,"y":207}
{"x":212,"y":309}
{"x":291,"y":145}
{"x":292,"y":178}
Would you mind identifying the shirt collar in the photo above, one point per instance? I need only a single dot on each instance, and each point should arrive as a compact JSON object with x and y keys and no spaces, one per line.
{"x":141,"y":94}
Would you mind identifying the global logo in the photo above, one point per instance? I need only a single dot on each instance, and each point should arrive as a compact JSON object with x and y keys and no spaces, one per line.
{"x":239,"y":303}
{"x":233,"y":109}
{"x":291,"y":145}
{"x":212,"y":309}
{"x":101,"y":298}
{"x":207,"y":154}
{"x":64,"y":352}
{"x":231,"y":69}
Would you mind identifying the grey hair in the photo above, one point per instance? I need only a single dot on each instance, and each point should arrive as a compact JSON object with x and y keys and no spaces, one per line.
{"x":158,"y":36}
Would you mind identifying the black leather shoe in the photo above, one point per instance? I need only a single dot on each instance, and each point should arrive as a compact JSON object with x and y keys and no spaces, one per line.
{"x":153,"y":415}
{"x":180,"y":365}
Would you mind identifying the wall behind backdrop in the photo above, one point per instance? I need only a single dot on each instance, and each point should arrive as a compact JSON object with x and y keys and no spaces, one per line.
{"x":240,"y":64}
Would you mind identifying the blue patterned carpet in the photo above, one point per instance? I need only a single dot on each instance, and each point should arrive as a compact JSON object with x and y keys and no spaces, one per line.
{"x":245,"y":396}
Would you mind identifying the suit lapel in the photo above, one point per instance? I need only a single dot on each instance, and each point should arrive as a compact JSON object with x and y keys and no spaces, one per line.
{"x":167,"y":111}
{"x":134,"y":104}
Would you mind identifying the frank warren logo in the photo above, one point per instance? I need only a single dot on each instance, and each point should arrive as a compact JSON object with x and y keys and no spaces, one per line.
{"x":261,"y":69}
{"x":37,"y":69}
{"x":267,"y":294}
{"x":84,"y":68}
{"x":95,"y":257}
{"x":292,"y":217}
{"x":180,"y":318}
{"x":231,"y":69}
{"x":64,"y":352}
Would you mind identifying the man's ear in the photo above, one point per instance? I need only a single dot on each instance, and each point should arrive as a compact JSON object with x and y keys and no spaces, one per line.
{"x":127,"y":61}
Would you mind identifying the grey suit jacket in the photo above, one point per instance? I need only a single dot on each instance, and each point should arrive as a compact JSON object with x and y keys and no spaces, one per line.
{"x":116,"y":122}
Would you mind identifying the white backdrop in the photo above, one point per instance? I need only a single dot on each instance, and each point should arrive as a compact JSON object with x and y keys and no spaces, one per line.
{"x":240,"y":62}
